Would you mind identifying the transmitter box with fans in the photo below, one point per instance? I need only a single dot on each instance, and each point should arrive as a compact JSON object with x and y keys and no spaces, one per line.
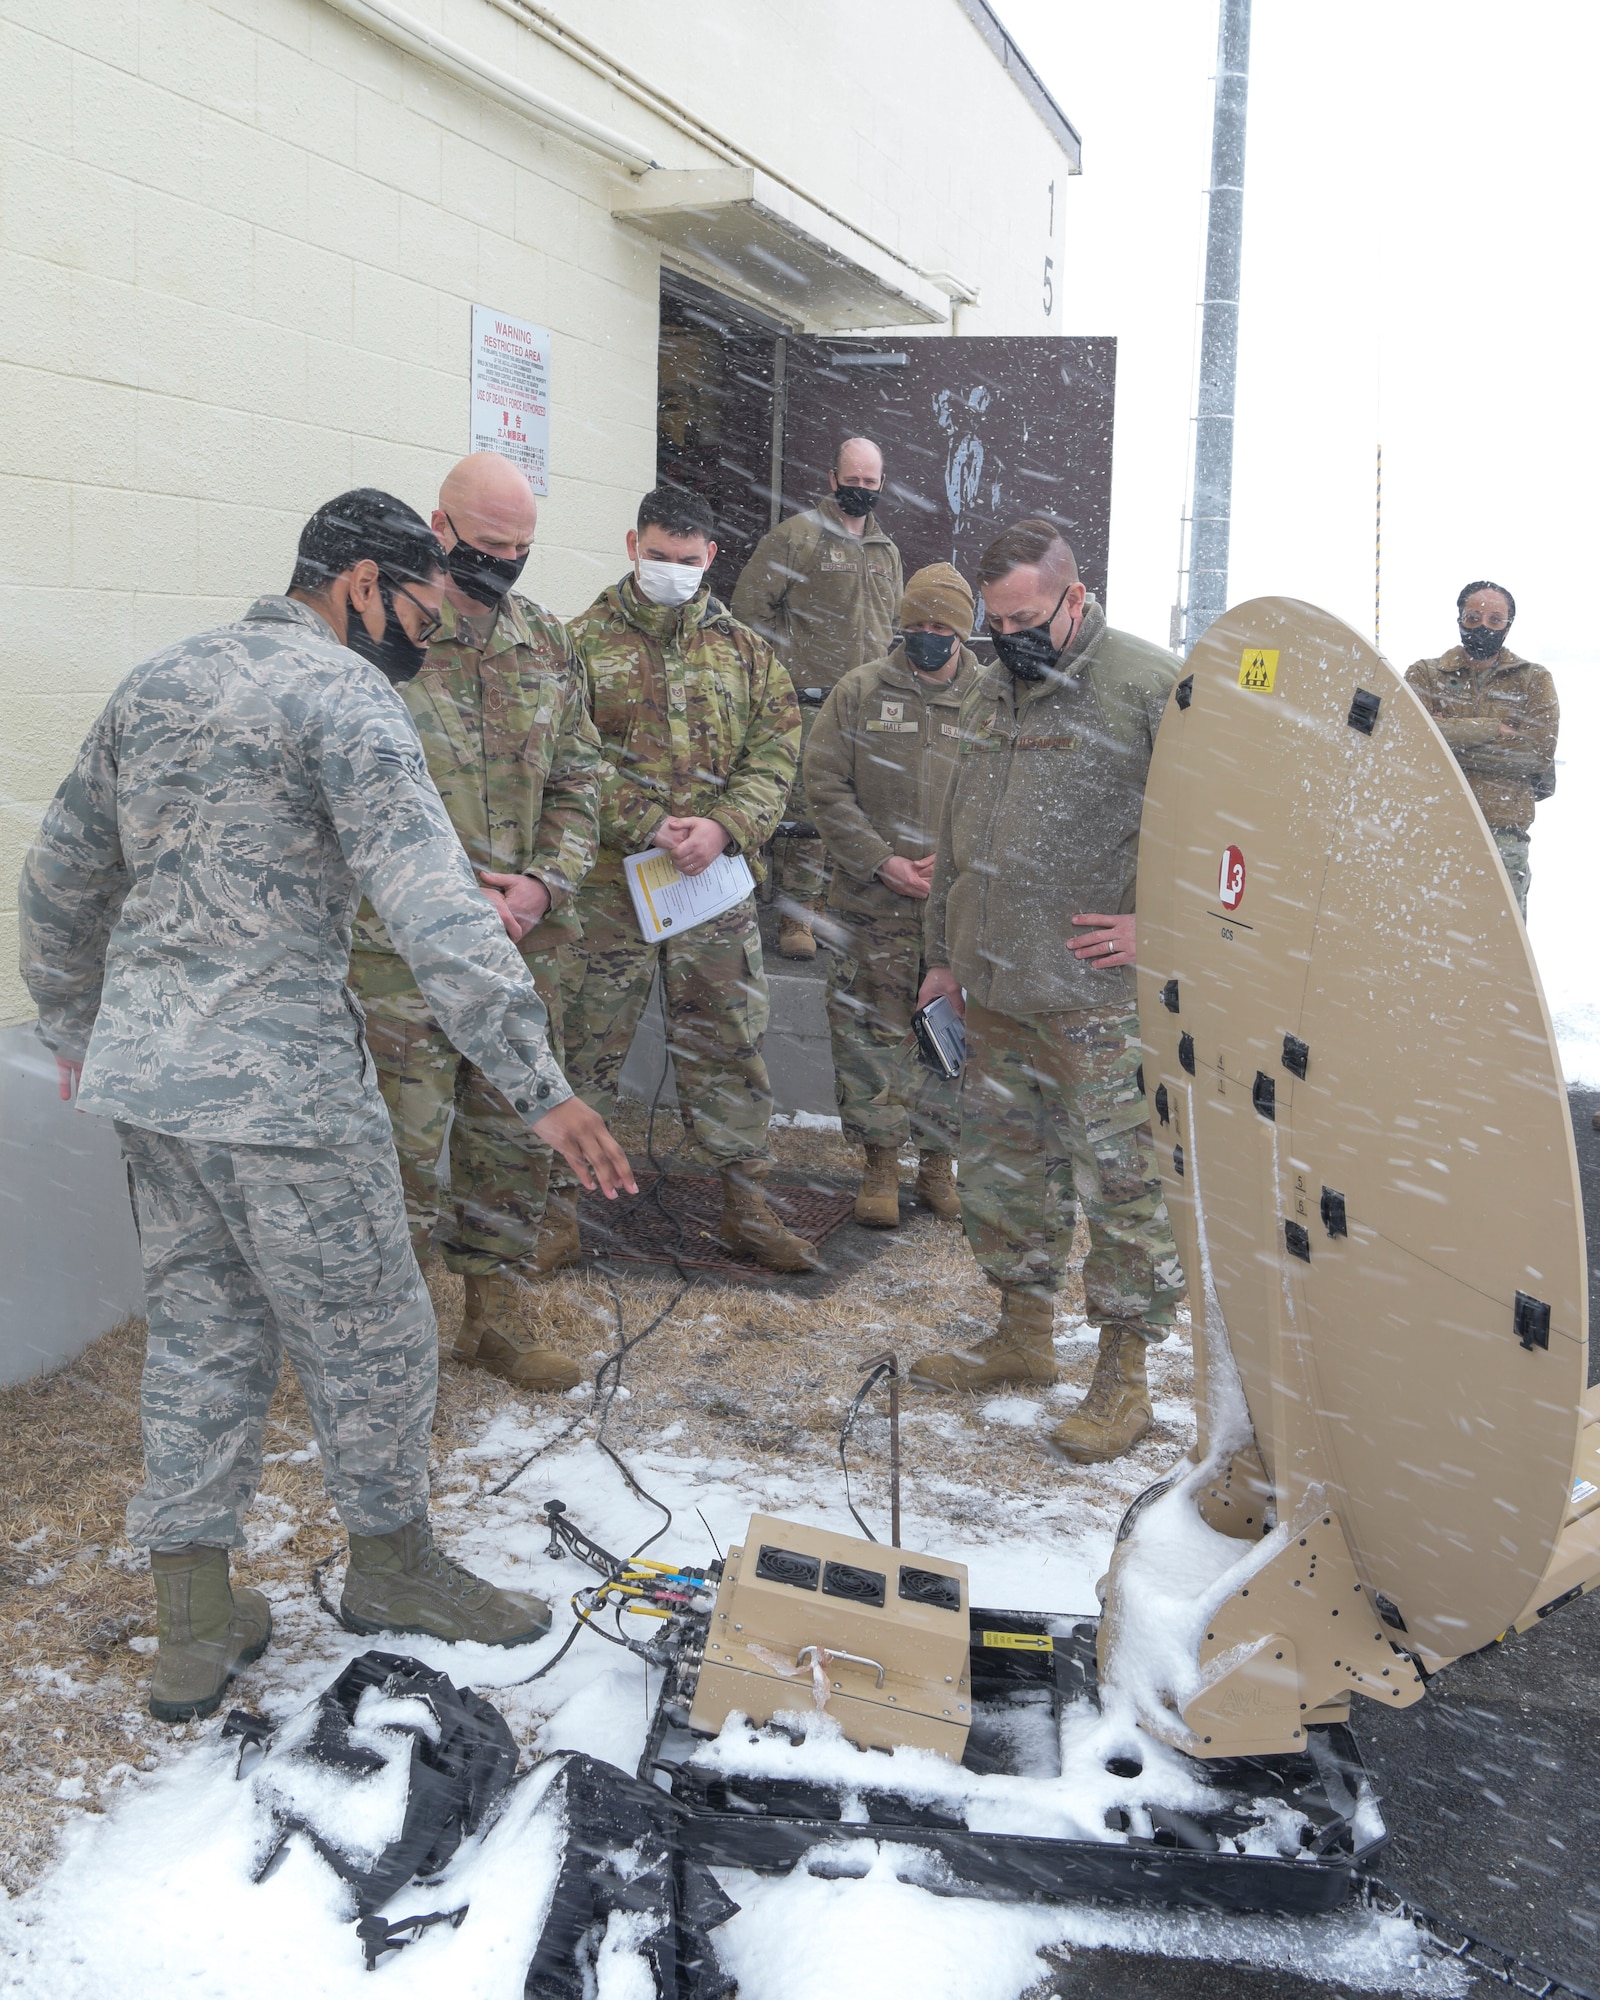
{"x":876,"y":1637}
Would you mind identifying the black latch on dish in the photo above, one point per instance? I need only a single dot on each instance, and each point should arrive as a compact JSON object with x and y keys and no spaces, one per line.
{"x":1297,"y":1241}
{"x":1140,"y":1075}
{"x":1530,"y":1321}
{"x":1177,"y":1161}
{"x":1333,"y":1213}
{"x":1162,"y":1109}
{"x":775,"y":1565}
{"x":928,"y":1586}
{"x":1296,"y":1054}
{"x":1364,"y":711}
{"x":1169,"y":996}
{"x":1389,"y":1611}
{"x":859,"y":1586}
{"x":1186,"y":1053}
{"x":1264,"y":1095}
{"x":1185,"y":691}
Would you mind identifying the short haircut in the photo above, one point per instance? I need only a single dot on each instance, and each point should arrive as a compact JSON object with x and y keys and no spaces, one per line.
{"x":677,"y":510}
{"x":1483,"y":583}
{"x":1021,"y":546}
{"x":362,"y":524}
{"x":855,"y":437}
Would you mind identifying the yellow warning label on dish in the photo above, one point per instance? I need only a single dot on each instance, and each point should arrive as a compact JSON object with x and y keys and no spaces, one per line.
{"x":1258,"y":669}
{"x":1022,"y":1642}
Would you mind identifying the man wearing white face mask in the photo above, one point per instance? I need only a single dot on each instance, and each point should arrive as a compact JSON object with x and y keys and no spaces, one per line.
{"x":700,"y":725}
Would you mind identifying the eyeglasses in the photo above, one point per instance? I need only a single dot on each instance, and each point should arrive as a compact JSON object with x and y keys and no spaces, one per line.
{"x":431,"y":620}
{"x":1471,"y":618}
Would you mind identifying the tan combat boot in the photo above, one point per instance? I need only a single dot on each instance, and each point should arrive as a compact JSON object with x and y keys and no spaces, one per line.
{"x":559,"y":1243}
{"x":795,"y":939}
{"x":936,"y":1185}
{"x":494,"y":1337}
{"x":399,"y":1582}
{"x":1115,"y":1414}
{"x":205,"y":1629}
{"x":878,"y":1199}
{"x":750,"y":1229}
{"x":1020,"y":1351}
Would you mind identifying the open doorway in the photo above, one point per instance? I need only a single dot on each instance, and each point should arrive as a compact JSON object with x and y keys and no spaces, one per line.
{"x":719,"y":415}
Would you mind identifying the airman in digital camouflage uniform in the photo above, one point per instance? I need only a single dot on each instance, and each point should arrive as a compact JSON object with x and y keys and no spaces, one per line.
{"x":500,"y":708}
{"x":701,"y":732}
{"x":1031,"y":912}
{"x":185,"y":934}
{"x":876,"y":768}
{"x":822,"y":587}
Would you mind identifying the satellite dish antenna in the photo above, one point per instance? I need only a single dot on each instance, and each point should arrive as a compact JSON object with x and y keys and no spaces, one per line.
{"x":1369,"y":1163}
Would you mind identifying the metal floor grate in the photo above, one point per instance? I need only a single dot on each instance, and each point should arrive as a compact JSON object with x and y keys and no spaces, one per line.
{"x":633,"y":1228}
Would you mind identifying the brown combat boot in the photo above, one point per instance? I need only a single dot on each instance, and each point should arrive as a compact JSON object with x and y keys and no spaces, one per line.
{"x":936,"y":1185}
{"x":878,"y":1199}
{"x":1115,"y":1414}
{"x":1020,"y":1351}
{"x":205,"y":1631}
{"x":750,"y":1229}
{"x":795,"y":939}
{"x":559,"y":1244}
{"x":494,"y":1337}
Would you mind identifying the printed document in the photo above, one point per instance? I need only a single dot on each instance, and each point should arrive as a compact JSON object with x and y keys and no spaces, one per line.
{"x":667,"y":903}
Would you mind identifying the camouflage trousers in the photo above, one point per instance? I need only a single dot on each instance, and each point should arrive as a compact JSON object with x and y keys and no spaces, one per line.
{"x":800,"y":861}
{"x":251,"y":1252}
{"x":716,"y":995}
{"x":1053,"y":1114}
{"x":885,"y":1092}
{"x":498,"y":1173}
{"x":1514,"y":848}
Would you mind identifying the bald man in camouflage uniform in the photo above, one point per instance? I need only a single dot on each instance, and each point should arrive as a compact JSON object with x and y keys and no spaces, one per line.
{"x":499,"y":706}
{"x":701,"y":732}
{"x":185,"y":934}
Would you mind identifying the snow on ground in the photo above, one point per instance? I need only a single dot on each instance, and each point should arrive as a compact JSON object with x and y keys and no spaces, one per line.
{"x":155,"y":1897}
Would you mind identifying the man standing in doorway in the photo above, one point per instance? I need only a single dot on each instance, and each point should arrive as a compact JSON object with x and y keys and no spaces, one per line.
{"x":500,"y":708}
{"x":876,"y":768}
{"x":1500,"y":716}
{"x":822,"y":587}
{"x":1031,"y":912}
{"x":701,"y":732}
{"x":185,"y":934}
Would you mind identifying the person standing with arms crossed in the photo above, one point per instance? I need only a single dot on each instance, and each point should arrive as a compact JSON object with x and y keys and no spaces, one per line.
{"x":821,"y":588}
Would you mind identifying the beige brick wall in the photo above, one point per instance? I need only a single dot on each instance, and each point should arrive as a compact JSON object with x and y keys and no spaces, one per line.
{"x":240,"y":240}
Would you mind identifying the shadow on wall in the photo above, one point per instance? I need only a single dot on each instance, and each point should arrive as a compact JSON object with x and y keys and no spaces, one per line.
{"x":69,"y":1258}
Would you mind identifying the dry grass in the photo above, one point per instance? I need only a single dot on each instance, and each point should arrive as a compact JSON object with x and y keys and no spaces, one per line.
{"x":746,"y":1375}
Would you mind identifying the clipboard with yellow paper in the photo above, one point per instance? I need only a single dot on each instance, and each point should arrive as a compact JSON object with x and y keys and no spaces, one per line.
{"x":668,"y":903}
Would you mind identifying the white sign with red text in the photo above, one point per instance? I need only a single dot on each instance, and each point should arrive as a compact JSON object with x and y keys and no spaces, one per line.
{"x":511,"y":392}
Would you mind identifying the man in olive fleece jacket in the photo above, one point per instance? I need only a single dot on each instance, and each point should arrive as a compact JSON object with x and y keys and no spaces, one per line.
{"x":1031,"y":912}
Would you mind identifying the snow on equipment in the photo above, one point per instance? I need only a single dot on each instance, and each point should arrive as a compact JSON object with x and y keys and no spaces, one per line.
{"x":1369,"y":1164}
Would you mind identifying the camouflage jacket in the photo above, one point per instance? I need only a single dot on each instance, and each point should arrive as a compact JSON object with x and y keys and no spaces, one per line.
{"x":696,"y":716}
{"x":880,"y":756}
{"x":186,"y":908}
{"x":826,"y":599}
{"x":506,"y":732}
{"x":1469,"y":700}
{"x":1041,"y":822}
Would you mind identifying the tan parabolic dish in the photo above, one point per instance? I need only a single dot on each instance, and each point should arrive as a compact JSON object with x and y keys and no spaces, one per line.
{"x":1386,"y":1368}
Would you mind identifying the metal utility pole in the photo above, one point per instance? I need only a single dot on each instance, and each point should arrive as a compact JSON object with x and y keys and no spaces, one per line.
{"x":1212,"y":506}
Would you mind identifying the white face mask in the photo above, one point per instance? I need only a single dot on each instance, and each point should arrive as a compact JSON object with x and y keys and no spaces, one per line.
{"x":668,"y":582}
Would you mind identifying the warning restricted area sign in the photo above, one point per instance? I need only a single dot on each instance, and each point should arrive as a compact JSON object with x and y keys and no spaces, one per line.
{"x":511,"y":392}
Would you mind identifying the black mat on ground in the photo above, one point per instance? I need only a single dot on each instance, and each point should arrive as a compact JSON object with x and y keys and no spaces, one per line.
{"x":1136,"y":1975}
{"x":639,"y":1229}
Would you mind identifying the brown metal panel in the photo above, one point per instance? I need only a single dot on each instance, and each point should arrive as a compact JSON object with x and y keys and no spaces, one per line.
{"x":976,"y":431}
{"x":1382,"y":1365}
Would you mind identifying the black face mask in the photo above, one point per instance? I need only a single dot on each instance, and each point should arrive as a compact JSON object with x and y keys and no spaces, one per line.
{"x":1031,"y":653}
{"x":1481,"y":642}
{"x":397,"y":656}
{"x":480,"y":575}
{"x":856,"y":500}
{"x":929,"y":652}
